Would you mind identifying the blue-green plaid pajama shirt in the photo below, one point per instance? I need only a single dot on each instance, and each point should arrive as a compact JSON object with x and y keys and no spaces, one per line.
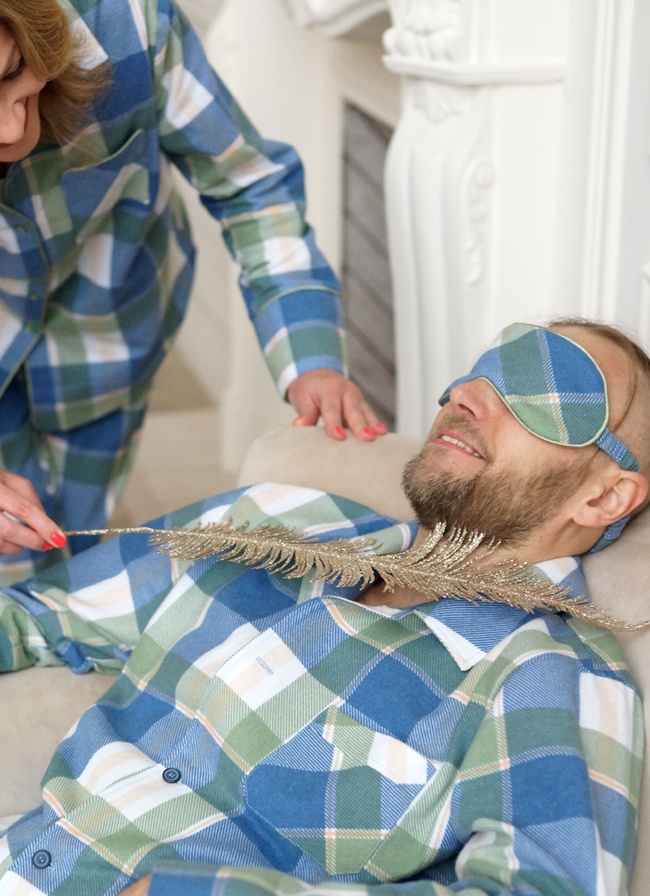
{"x":96,"y":258}
{"x":269,"y":735}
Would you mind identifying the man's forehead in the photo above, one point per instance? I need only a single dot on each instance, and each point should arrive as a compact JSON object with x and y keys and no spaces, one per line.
{"x":617,"y":366}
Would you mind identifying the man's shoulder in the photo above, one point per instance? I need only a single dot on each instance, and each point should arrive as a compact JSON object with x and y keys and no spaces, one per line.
{"x":565,"y":640}
{"x":314,"y":512}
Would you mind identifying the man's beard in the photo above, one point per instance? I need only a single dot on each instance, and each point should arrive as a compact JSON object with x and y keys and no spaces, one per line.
{"x":505,"y":506}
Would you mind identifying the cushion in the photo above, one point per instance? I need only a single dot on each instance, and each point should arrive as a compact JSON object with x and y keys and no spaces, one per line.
{"x":38,"y":707}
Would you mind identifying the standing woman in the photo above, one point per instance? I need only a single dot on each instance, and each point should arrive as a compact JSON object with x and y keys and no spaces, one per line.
{"x":97,"y":99}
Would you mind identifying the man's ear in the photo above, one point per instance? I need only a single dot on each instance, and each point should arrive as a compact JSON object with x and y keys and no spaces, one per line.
{"x":617,"y":497}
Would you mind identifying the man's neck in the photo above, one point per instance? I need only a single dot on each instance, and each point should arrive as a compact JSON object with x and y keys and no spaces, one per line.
{"x":400,"y":597}
{"x":545,"y":543}
{"x":403,"y":597}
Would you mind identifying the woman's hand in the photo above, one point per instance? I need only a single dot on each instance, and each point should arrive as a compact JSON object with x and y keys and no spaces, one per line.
{"x":327,"y":394}
{"x":23,"y":521}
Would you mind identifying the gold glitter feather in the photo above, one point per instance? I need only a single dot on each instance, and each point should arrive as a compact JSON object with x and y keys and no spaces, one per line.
{"x":452,"y":564}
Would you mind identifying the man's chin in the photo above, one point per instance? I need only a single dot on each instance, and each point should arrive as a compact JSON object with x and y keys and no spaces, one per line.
{"x":507,"y":507}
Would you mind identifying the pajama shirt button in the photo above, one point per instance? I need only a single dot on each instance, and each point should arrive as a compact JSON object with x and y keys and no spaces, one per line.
{"x":171,"y":776}
{"x":41,"y":859}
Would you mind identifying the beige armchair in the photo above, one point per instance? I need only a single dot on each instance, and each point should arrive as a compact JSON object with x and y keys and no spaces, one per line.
{"x":37,"y":706}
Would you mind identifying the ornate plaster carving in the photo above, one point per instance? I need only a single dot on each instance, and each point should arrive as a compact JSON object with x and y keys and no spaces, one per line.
{"x":439,"y":102}
{"x":335,"y":17}
{"x":424,"y":31}
{"x":439,"y":179}
{"x":477,"y":183}
{"x":427,"y":40}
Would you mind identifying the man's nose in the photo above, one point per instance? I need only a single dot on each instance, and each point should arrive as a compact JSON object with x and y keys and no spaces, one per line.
{"x":476,"y":396}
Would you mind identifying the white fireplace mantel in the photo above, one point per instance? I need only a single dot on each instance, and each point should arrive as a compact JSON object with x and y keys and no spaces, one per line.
{"x":460,"y":166}
{"x":518,"y":182}
{"x":335,"y":18}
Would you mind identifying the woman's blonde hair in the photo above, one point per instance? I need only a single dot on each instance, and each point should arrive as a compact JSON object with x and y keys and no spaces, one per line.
{"x":46,"y":40}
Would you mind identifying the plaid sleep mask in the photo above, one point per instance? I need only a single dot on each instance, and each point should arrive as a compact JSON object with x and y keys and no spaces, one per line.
{"x":556,"y":390}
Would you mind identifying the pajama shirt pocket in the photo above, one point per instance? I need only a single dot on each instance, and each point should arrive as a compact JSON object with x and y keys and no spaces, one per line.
{"x":95,"y":193}
{"x":337,"y":789}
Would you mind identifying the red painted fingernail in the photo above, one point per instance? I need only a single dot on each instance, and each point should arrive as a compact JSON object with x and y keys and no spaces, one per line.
{"x":46,"y":546}
{"x":381,"y":427}
{"x":58,"y":541}
{"x":339,"y":431}
{"x":367,"y":431}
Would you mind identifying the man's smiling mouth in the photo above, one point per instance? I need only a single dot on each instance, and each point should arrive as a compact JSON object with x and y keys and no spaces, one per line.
{"x":454,"y":441}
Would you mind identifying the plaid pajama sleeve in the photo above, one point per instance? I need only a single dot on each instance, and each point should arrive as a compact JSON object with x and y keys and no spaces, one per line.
{"x":90,"y":611}
{"x":255,"y":188}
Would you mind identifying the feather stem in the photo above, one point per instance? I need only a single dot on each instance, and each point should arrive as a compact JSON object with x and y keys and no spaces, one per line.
{"x":451,"y":563}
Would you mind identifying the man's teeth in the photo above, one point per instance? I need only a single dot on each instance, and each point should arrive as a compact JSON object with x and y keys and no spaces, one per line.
{"x":460,"y":444}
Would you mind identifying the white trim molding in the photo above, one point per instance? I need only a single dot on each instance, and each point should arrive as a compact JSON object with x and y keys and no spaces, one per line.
{"x":334,"y":18}
{"x":475,"y":75}
{"x":440,"y":181}
{"x":612,"y":72}
{"x":644,"y":309}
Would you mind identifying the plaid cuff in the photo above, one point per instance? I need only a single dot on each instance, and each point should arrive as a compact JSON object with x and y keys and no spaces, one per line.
{"x":300,"y":331}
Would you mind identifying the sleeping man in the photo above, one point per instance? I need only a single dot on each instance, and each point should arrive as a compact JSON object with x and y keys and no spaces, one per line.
{"x":270,"y":734}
